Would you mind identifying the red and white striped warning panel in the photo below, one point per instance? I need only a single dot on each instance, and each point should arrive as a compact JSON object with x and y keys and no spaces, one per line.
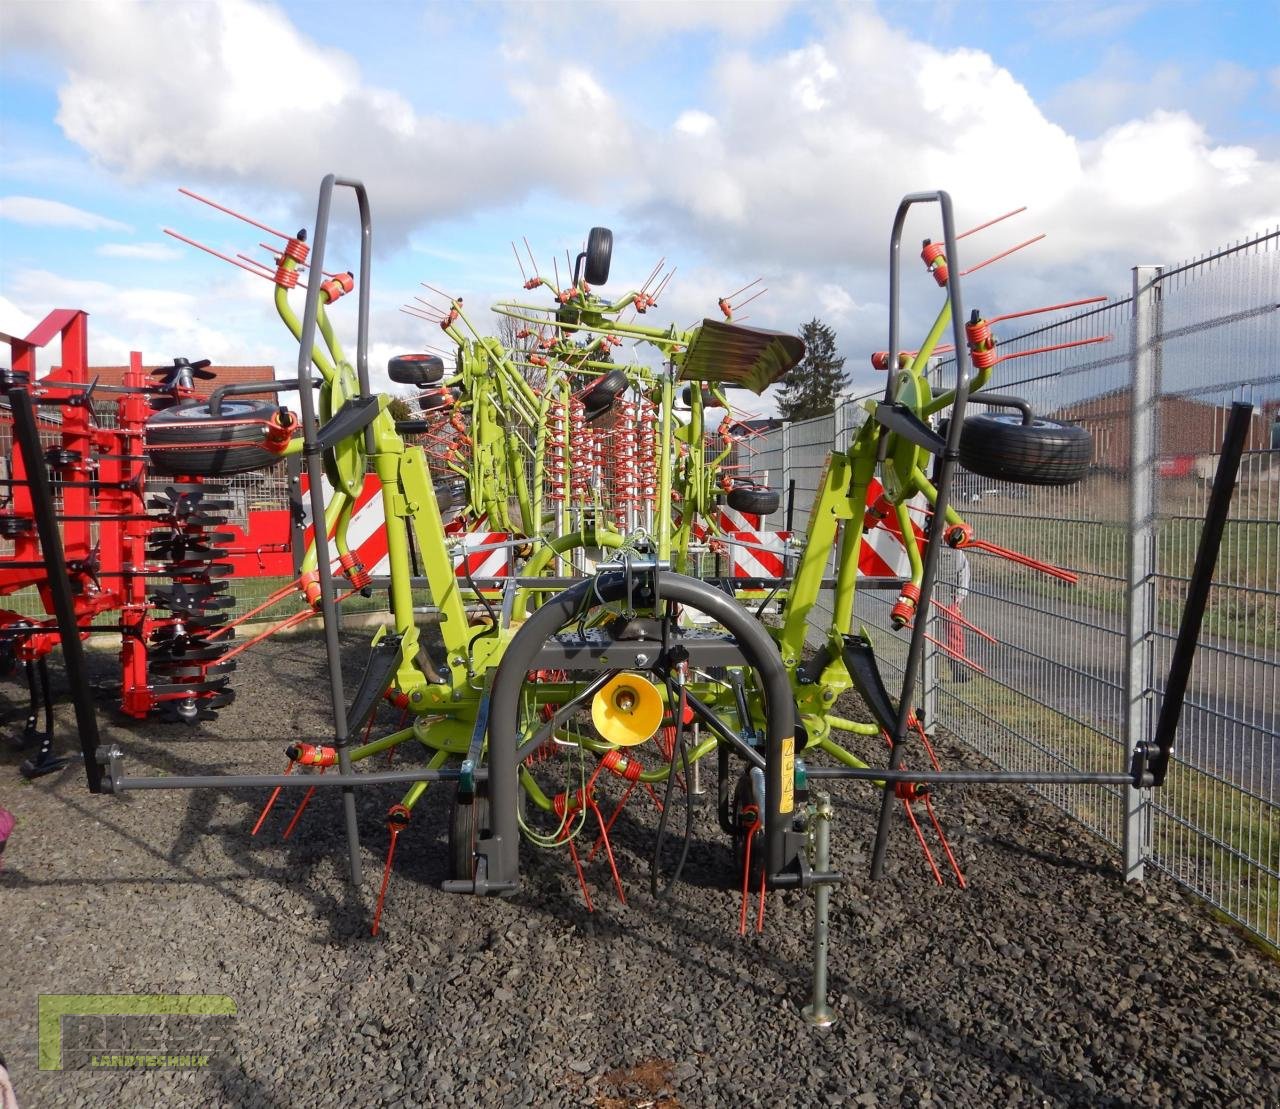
{"x":883,"y":554}
{"x":367,"y":531}
{"x":758,"y":554}
{"x":732,"y":520}
{"x":483,"y":554}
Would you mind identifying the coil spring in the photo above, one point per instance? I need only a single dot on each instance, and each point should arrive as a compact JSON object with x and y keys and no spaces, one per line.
{"x":625,"y":478}
{"x":578,"y":434}
{"x":554,"y":453}
{"x":936,"y":261}
{"x":982,"y":344}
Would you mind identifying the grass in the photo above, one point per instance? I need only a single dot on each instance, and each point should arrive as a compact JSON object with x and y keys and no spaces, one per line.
{"x":1210,"y":836}
{"x":1085,"y":528}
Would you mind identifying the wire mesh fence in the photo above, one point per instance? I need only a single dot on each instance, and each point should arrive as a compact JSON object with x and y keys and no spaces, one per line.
{"x":1077,"y":672}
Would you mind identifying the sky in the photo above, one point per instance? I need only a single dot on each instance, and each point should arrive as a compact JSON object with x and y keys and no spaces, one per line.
{"x":737,"y":140}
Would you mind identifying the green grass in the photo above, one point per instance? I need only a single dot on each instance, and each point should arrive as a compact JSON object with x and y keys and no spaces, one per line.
{"x":1085,"y":529}
{"x":1242,"y":833}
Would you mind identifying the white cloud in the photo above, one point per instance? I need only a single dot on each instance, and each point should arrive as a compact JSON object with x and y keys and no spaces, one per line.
{"x":256,"y":101}
{"x":14,"y":320}
{"x":147,"y":252}
{"x":815,"y":185}
{"x":791,"y":163}
{"x":1125,"y":86}
{"x":33,"y":211}
{"x":732,"y":18}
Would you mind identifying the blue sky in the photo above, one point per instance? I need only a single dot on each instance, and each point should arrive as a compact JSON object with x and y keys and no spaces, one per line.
{"x":737,"y":140}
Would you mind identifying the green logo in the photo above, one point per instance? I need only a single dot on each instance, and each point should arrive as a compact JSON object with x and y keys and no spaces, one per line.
{"x":104,"y":1030}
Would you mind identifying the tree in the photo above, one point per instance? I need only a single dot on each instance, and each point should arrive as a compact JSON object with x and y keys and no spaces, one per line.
{"x":400,"y":408}
{"x":812,"y":388}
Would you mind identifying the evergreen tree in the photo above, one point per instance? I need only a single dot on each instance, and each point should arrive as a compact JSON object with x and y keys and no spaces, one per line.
{"x":400,"y":408}
{"x":813,"y":387}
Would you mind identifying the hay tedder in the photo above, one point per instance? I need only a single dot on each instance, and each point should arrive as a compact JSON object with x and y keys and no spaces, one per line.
{"x":601,"y":663}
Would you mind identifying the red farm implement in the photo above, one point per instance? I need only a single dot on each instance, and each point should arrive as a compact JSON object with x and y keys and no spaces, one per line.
{"x":147,"y":549}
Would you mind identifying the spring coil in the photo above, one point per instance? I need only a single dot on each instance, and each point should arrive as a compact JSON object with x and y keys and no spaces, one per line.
{"x":555,"y":451}
{"x":982,"y":344}
{"x":579,"y":434}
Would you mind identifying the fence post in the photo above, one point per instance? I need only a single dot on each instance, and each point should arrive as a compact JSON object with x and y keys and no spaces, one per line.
{"x":1141,"y":615}
{"x":784,"y":484}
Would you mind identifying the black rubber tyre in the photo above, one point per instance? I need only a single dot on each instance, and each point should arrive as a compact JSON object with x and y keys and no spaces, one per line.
{"x":415,"y":369}
{"x":708,"y":400}
{"x":592,"y":412}
{"x":189,"y":439}
{"x":437,"y":398}
{"x":759,"y":502}
{"x":607,"y":386}
{"x":599,"y":253}
{"x":468,"y":823}
{"x":1043,"y":452}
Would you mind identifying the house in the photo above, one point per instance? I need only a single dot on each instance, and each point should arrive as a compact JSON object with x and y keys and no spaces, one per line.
{"x":1186,"y":429}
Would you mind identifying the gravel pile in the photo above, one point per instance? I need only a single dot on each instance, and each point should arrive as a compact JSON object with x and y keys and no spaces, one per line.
{"x":1046,"y":981}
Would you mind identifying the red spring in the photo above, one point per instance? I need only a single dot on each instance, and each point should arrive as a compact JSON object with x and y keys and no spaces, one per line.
{"x":309,"y":585}
{"x":537,"y":360}
{"x":338,"y":286}
{"x":959,"y":535}
{"x":911,"y":791}
{"x":936,"y":261}
{"x":397,"y":821}
{"x":297,"y":250}
{"x":533,"y":283}
{"x":618,"y":764}
{"x":280,"y":431}
{"x":904,"y":611}
{"x":643,"y":302}
{"x":398,"y":699}
{"x":579,"y":434}
{"x":982,"y":344}
{"x":313,"y":754}
{"x":877,"y":512}
{"x":880,"y":360}
{"x":354,"y":570}
{"x":555,"y":469}
{"x":563,"y":805}
{"x":286,"y":278}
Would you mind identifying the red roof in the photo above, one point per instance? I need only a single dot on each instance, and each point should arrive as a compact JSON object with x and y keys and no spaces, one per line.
{"x":227,"y":375}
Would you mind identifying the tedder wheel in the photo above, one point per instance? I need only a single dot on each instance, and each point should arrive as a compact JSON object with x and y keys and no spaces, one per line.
{"x":608,"y":385}
{"x":415,"y":369}
{"x":747,"y":827}
{"x":468,"y":822}
{"x":1042,"y":452}
{"x":759,"y":502}
{"x":599,"y":253}
{"x":189,"y":439}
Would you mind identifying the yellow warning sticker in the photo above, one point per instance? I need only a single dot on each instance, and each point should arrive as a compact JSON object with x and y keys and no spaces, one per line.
{"x":788,"y":774}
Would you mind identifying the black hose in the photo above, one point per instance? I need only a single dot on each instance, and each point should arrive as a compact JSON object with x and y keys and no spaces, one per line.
{"x":678,"y":743}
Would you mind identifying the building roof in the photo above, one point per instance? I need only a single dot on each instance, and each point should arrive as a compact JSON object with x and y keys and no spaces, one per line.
{"x":227,"y":375}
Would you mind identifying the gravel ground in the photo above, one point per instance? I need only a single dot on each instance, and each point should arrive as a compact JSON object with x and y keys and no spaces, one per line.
{"x":1047,"y":981}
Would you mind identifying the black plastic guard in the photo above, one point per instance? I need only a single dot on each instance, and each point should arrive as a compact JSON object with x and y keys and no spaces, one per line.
{"x":860,"y":661}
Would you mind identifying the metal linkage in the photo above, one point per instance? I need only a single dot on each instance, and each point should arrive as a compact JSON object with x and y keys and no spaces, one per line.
{"x":27,"y":435}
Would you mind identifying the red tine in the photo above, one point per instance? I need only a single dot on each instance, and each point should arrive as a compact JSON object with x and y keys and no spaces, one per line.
{"x":232,"y":212}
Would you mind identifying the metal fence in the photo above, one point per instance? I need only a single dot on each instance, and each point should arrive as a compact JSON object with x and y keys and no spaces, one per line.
{"x":1077,"y":673}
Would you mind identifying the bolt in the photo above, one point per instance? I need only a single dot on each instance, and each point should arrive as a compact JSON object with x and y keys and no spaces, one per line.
{"x":642,"y":659}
